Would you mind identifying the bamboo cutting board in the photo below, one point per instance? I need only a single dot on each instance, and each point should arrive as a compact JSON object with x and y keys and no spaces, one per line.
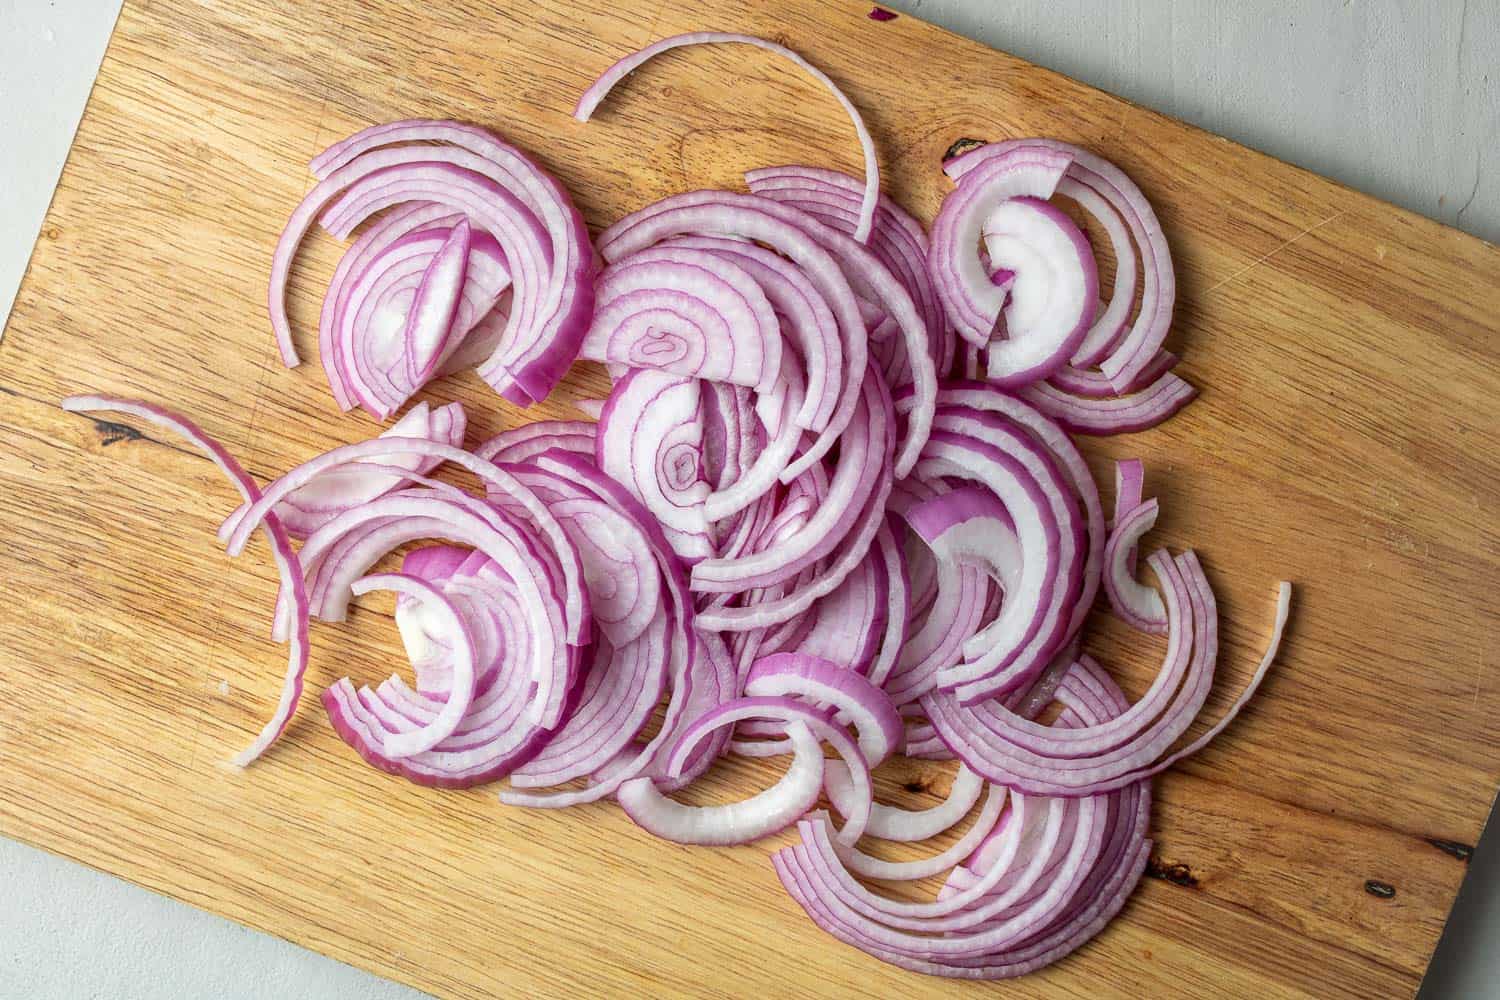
{"x":1346,"y":439}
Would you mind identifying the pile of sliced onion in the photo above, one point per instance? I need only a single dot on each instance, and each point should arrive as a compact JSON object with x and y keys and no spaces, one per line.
{"x":1019,"y":282}
{"x":480,"y":259}
{"x":782,"y":532}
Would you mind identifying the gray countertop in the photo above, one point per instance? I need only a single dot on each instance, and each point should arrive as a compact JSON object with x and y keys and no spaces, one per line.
{"x":1398,"y":99}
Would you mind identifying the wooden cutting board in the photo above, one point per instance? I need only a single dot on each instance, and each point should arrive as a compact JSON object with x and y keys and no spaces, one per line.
{"x":1345,"y":439}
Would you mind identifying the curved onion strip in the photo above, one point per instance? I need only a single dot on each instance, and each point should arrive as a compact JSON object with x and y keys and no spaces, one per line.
{"x":973,"y":301}
{"x":1159,"y":285}
{"x":901,"y":871}
{"x":1093,"y":385}
{"x":281,"y":550}
{"x":520,"y":444}
{"x":575,"y":598}
{"x":601,"y":87}
{"x":1138,"y":605}
{"x":738,"y":823}
{"x":1115,"y":764}
{"x":826,"y":684}
{"x":566,"y":302}
{"x":308,"y":508}
{"x":726,"y":214}
{"x":807,"y":242}
{"x":819,"y":723}
{"x":461,"y":687}
{"x":1052,"y":290}
{"x":906,"y":825}
{"x":806,"y":319}
{"x":688,"y":312}
{"x":980,"y":396}
{"x":898,"y":237}
{"x":1135,"y":411}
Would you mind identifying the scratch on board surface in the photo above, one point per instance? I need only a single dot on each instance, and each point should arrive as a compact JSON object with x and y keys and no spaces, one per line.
{"x":1262,"y":259}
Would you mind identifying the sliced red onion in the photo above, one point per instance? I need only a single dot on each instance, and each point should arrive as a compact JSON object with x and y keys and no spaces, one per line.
{"x":311,"y":506}
{"x":1138,"y":605}
{"x":1114,"y":319}
{"x":601,"y":87}
{"x":725,"y":214}
{"x":482,"y":339}
{"x":850,"y":625}
{"x":281,"y":550}
{"x":483,"y":596}
{"x":1093,"y":385}
{"x":1121,"y":753}
{"x":970,"y":524}
{"x":700,"y":675}
{"x":1029,"y":624}
{"x":405,"y":743}
{"x":619,"y":567}
{"x":370,"y":296}
{"x":555,"y":301}
{"x":687,"y":312}
{"x":520,"y":444}
{"x":1041,"y":884}
{"x":823,"y":683}
{"x":651,"y":439}
{"x":860,"y":473}
{"x":762,"y":475}
{"x":1052,"y":292}
{"x":340,"y":552}
{"x":621,"y":687}
{"x":869,"y":866}
{"x":983,"y":397}
{"x":739,"y":823}
{"x":430,"y":322}
{"x":806,"y":320}
{"x":818,"y":722}
{"x":1130,"y":484}
{"x":1134,"y":411}
{"x":575,"y":600}
{"x":1135,"y":351}
{"x":896,"y":237}
{"x":973,"y":302}
{"x":906,"y":825}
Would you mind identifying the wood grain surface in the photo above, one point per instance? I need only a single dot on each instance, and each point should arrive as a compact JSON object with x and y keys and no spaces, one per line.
{"x":1346,"y":439}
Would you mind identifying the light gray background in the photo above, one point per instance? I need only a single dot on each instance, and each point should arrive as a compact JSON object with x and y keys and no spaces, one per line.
{"x":1397,"y":98}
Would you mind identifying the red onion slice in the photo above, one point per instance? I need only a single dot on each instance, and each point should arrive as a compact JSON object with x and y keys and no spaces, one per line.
{"x":726,"y":214}
{"x":897,"y":238}
{"x":557,"y":313}
{"x":1093,"y":385}
{"x":805,"y":317}
{"x":687,"y":312}
{"x":619,"y":567}
{"x":972,"y":300}
{"x":1139,"y":346}
{"x":575,"y":599}
{"x":430,"y":322}
{"x":1052,"y":289}
{"x":1138,"y":605}
{"x":461,"y":685}
{"x":825,"y":684}
{"x":309,"y":507}
{"x":521,"y":444}
{"x":651,"y":440}
{"x":281,"y":550}
{"x":905,"y":825}
{"x":790,"y":712}
{"x":869,"y":866}
{"x":741,"y":822}
{"x":1135,"y":411}
{"x":601,"y":87}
